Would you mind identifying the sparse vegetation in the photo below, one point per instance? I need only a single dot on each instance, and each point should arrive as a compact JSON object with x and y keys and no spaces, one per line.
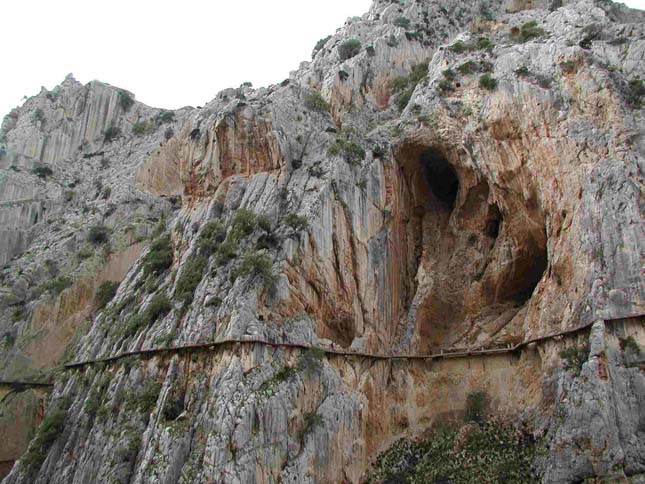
{"x":500,"y":452}
{"x":141,"y":128}
{"x":316,"y":102}
{"x":319,"y":45}
{"x":57,"y":285}
{"x":630,"y":345}
{"x":50,"y":429}
{"x":213,"y":234}
{"x":476,"y":407}
{"x":37,"y":116}
{"x":574,"y":357}
{"x":522,"y":71}
{"x":105,"y":293}
{"x":636,"y":92}
{"x":42,"y":171}
{"x":349,"y":49}
{"x":125,"y":100}
{"x":160,"y":257}
{"x":165,"y":117}
{"x":488,"y":82}
{"x":256,"y":264}
{"x":526,"y":32}
{"x":311,"y":421}
{"x":296,"y":222}
{"x":189,"y":279}
{"x":405,"y":85}
{"x":402,"y":22}
{"x":243,"y":224}
{"x":111,"y":133}
{"x":351,"y":151}
{"x":98,"y":234}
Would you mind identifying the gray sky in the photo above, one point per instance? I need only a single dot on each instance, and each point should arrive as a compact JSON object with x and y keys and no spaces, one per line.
{"x":168,"y":53}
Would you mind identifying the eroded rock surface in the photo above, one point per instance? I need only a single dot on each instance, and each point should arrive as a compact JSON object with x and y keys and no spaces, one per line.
{"x":469,"y":178}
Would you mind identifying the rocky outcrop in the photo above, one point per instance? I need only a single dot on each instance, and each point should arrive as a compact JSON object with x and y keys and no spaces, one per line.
{"x":381,"y":208}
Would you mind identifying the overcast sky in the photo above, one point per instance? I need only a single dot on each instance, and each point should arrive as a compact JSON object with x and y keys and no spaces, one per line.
{"x":169,"y":53}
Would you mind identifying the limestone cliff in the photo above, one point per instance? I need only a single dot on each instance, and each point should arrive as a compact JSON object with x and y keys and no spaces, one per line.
{"x":443,"y":203}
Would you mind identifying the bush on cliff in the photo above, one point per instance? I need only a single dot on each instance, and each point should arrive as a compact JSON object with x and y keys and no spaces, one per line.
{"x":349,"y":49}
{"x":189,"y":279}
{"x":160,"y":257}
{"x":105,"y":293}
{"x":501,"y":452}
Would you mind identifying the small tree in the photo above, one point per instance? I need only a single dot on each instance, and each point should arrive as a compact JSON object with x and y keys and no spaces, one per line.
{"x":316,"y":102}
{"x":98,"y":234}
{"x":111,"y":133}
{"x":487,"y":82}
{"x":105,"y":293}
{"x":349,"y":49}
{"x":125,"y":100}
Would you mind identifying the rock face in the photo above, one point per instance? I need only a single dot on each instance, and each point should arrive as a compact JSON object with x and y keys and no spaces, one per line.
{"x":442,"y":177}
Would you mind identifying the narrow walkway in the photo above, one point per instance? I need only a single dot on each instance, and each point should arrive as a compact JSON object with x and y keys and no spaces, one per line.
{"x":446,"y":353}
{"x":15,"y":384}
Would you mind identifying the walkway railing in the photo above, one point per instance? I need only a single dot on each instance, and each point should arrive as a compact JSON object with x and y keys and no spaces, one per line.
{"x":445,"y":353}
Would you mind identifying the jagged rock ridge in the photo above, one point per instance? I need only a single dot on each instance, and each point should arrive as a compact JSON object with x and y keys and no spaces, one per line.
{"x":488,"y":197}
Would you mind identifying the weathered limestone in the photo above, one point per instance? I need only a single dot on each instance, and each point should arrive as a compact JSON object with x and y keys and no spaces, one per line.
{"x":487,"y":212}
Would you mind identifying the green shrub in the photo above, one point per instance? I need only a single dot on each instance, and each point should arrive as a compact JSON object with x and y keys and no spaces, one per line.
{"x":629,"y":344}
{"x":399,"y":83}
{"x":160,"y":257}
{"x":226,"y":252}
{"x":467,"y":67}
{"x":256,"y":264}
{"x":243,"y":224}
{"x":476,"y":407}
{"x":445,"y":86}
{"x":402,"y":22}
{"x":98,"y":234}
{"x":488,"y":82}
{"x":319,"y":45}
{"x":316,"y":102}
{"x":212,"y":235}
{"x":145,"y":398}
{"x":111,"y":133}
{"x":351,"y":151}
{"x":568,"y":67}
{"x":159,"y":307}
{"x":42,"y":171}
{"x":165,"y":117}
{"x":311,"y":359}
{"x":125,"y":100}
{"x":140,"y":128}
{"x":311,"y":421}
{"x":459,"y":47}
{"x":406,"y":85}
{"x":57,"y":285}
{"x":484,"y":43}
{"x":349,"y":49}
{"x":449,"y":74}
{"x":85,"y":252}
{"x":296,"y":222}
{"x":636,"y":92}
{"x":404,"y":99}
{"x":522,"y":71}
{"x":105,"y":293}
{"x":50,"y":429}
{"x":527,"y":31}
{"x":37,"y":116}
{"x":189,"y":279}
{"x":263,"y":222}
{"x":574,"y":357}
{"x":500,"y":452}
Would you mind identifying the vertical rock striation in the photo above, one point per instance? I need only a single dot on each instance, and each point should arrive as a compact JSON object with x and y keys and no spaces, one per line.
{"x":441,"y":178}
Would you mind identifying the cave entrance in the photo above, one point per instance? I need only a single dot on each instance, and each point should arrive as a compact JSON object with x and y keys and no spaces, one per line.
{"x":440,"y":177}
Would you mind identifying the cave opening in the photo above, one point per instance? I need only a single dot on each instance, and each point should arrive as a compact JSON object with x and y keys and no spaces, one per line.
{"x":440,"y":176}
